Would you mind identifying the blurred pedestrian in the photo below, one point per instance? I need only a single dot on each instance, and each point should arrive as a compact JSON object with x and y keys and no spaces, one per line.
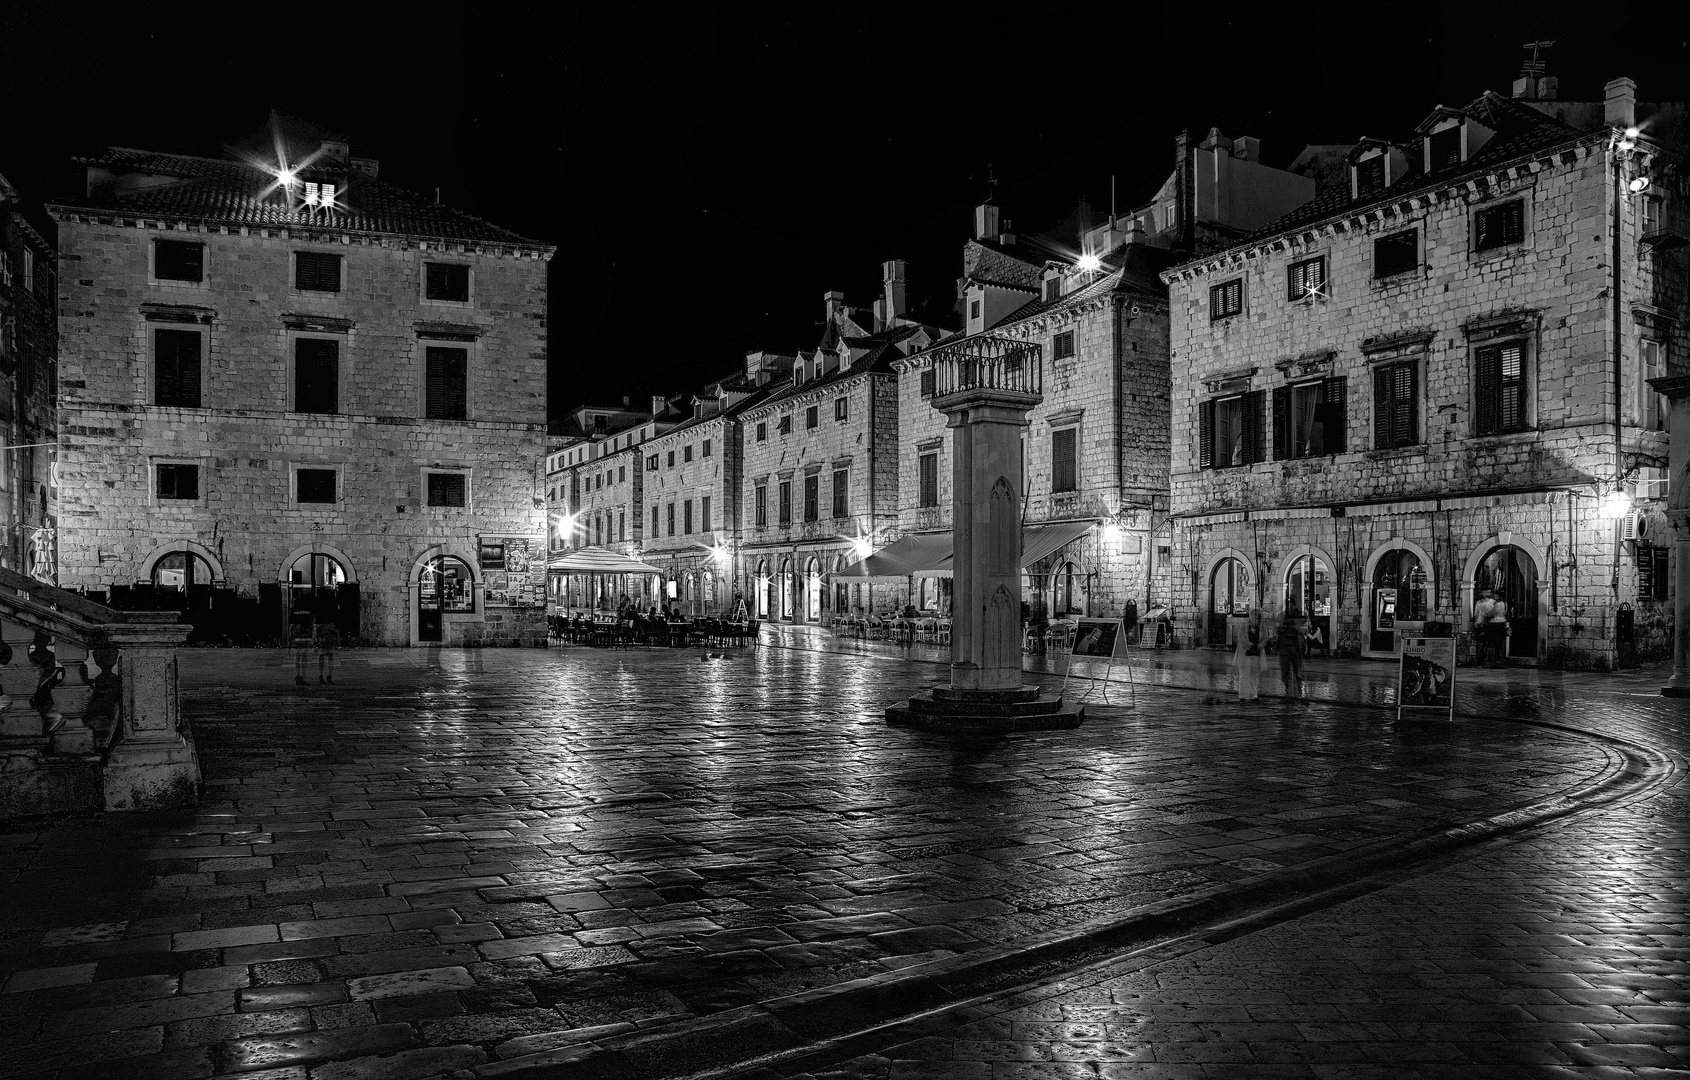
{"x":301,"y":633}
{"x":1247,"y":654}
{"x":326,"y":637}
{"x":1290,"y":645}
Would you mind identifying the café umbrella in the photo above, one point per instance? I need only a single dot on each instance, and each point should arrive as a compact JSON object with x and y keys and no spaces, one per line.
{"x":594,"y":561}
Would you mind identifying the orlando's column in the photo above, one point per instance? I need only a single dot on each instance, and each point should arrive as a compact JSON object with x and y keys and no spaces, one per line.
{"x":986,"y":386}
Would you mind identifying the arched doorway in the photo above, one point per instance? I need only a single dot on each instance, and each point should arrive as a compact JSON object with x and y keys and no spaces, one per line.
{"x":1401,"y":587}
{"x":445,"y":586}
{"x":1067,"y":595}
{"x":1510,"y":573}
{"x":319,"y":586}
{"x":761,"y":587}
{"x":181,"y":570}
{"x":784,"y":584}
{"x":1308,"y":591}
{"x":1230,"y":594}
{"x":813,"y":590}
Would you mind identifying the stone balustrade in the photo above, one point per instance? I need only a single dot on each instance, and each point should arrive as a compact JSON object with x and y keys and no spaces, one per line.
{"x":88,"y":705}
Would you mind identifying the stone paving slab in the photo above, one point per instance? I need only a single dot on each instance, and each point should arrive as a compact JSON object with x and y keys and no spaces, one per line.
{"x":640,"y":838}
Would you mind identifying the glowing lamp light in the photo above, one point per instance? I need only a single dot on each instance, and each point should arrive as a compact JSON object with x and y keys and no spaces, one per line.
{"x":1633,"y":132}
{"x":1615,"y":504}
{"x":720,"y":554}
{"x":1111,"y":533}
{"x":1639,"y":185}
{"x":862,"y":548}
{"x":286,"y":177}
{"x":1089,"y":263}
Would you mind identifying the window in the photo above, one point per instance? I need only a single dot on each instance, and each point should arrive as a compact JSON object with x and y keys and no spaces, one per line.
{"x":705,"y":450}
{"x":1651,"y":207}
{"x":670,"y":515}
{"x":786,"y":424}
{"x":1499,"y":226}
{"x":1651,"y":407}
{"x":812,"y":497}
{"x":1226,"y":299}
{"x":686,"y":452}
{"x":841,"y":408}
{"x":446,"y":584}
{"x":1309,"y":420}
{"x":446,"y":281}
{"x":1499,"y":391}
{"x":1064,"y":461}
{"x":927,"y":383}
{"x":686,"y":517}
{"x":598,"y":424}
{"x":176,"y":368}
{"x":621,"y":525}
{"x":762,"y":430}
{"x":447,"y":489}
{"x":174,"y":260}
{"x":671,"y":459}
{"x":1396,"y":253}
{"x":651,"y":463}
{"x":316,"y":271}
{"x":621,"y":474}
{"x":1231,"y":431}
{"x":598,"y":529}
{"x":316,"y":375}
{"x":974,"y":309}
{"x":1445,"y":147}
{"x":654,"y":522}
{"x":1306,"y":280}
{"x":179,"y":482}
{"x":447,"y":381}
{"x":1370,"y":176}
{"x":760,"y":505}
{"x":785,"y":495}
{"x":812,"y":416}
{"x":929,"y":485}
{"x":314,"y":485}
{"x":841,"y":492}
{"x":704,"y":513}
{"x":1062,"y":345}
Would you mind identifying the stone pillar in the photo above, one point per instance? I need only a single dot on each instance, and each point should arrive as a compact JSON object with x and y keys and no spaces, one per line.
{"x":1677,"y":391}
{"x":152,"y":763}
{"x":986,"y":398}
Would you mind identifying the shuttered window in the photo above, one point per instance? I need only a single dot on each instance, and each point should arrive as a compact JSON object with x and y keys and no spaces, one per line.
{"x":1396,"y":253}
{"x":704,"y":513}
{"x":446,"y":281}
{"x":1396,"y":405}
{"x":317,"y":271}
{"x":929,"y":486}
{"x":812,"y":416}
{"x":1233,"y":430}
{"x":1499,"y":226}
{"x":1446,"y":147}
{"x":760,"y":506}
{"x":785,"y":497}
{"x":314,"y":485}
{"x":1370,"y":176}
{"x":1306,"y":279}
{"x":447,"y":383}
{"x":178,"y":260}
{"x":686,"y":517}
{"x":812,"y":498}
{"x":1226,"y":299}
{"x":670,"y":516}
{"x":316,"y":376}
{"x":1064,"y":463}
{"x":1062,"y":345}
{"x":1499,"y":390}
{"x":178,"y":481}
{"x":927,"y":383}
{"x":654,"y":522}
{"x":841,"y":481}
{"x":1309,"y":420}
{"x":176,"y":368}
{"x":446,"y":489}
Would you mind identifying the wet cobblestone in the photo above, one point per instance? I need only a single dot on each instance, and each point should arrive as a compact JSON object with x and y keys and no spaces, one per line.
{"x":467,"y":853}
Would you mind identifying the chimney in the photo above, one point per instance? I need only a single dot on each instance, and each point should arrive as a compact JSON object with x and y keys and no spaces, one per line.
{"x":1525,"y":89}
{"x":985,"y":222}
{"x":1008,"y":234}
{"x":1247,"y":148}
{"x":337,"y":152}
{"x":1548,"y":88}
{"x":835,"y":301}
{"x":624,"y":401}
{"x":369,"y":166}
{"x":879,"y":314}
{"x":1620,"y":108}
{"x":892,"y":275}
{"x":658,"y":402}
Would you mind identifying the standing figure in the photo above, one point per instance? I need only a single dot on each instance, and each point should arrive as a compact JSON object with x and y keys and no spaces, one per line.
{"x":1290,"y":643}
{"x":303,"y":632}
{"x":1483,"y":609}
{"x":327,"y":640}
{"x":1247,"y":654}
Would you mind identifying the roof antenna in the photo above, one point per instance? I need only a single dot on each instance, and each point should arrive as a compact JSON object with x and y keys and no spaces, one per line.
{"x":1111,"y":200}
{"x":1531,"y":71}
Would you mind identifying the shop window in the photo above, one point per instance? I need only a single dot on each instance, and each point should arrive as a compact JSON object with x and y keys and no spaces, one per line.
{"x":181,"y":570}
{"x":448,"y":377}
{"x":176,"y":368}
{"x":446,"y":585}
{"x":1309,"y":419}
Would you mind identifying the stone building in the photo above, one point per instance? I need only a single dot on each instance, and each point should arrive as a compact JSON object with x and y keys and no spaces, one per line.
{"x":820,"y":465}
{"x":28,"y":384}
{"x":1429,"y":381}
{"x":1095,"y":453}
{"x":288,"y":383}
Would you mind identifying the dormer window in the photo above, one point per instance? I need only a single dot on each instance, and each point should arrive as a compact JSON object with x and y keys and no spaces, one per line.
{"x":1443,"y":148}
{"x":319,"y":195}
{"x":1370,"y":176}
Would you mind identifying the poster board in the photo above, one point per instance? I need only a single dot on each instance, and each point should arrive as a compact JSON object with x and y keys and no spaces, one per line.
{"x":1098,"y":637}
{"x":512,"y":571}
{"x":1426,"y":676}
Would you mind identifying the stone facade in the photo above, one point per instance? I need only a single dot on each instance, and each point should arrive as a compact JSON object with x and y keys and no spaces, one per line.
{"x":28,"y":384}
{"x":1363,"y":453}
{"x":243,"y":429}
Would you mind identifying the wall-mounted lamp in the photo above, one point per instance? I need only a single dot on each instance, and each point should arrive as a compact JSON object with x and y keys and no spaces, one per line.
{"x":1638,"y":185}
{"x":1615,"y":504}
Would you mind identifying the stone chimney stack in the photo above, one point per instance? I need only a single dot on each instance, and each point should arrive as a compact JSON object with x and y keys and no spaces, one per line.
{"x":1619,"y":109}
{"x":835,"y":301}
{"x":985,"y":222}
{"x":658,"y":403}
{"x":892,"y":276}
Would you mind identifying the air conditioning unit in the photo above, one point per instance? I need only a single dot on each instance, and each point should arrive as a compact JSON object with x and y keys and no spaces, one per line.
{"x":1631,"y":526}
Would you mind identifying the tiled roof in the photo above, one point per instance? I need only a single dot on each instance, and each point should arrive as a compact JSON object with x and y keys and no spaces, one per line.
{"x":227,"y":192}
{"x":1520,"y":131}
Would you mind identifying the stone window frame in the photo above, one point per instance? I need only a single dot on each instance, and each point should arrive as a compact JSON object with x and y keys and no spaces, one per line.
{"x":1504,"y":246}
{"x":1496,"y":332}
{"x":841,"y":408}
{"x":1649,"y":399}
{"x":1419,"y":234}
{"x":669,"y":517}
{"x":343,"y":365}
{"x":152,"y":327}
{"x":1065,"y":421}
{"x":841,"y":491}
{"x":339,"y":470}
{"x":1308,"y":295}
{"x":423,"y":474}
{"x":1218,"y":312}
{"x":293,"y":274}
{"x":203,"y":464}
{"x":923,"y":501}
{"x":472,"y":362}
{"x":422,"y":281}
{"x":760,"y":504}
{"x":1416,"y":361}
{"x":1062,"y":345}
{"x":203,"y":284}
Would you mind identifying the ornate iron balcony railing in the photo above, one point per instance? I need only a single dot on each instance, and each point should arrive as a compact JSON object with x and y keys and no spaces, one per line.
{"x":988,"y":362}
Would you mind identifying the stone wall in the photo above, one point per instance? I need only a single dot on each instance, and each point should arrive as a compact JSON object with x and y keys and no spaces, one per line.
{"x":247,"y":442}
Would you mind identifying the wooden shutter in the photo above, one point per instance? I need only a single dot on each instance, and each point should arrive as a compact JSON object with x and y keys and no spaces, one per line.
{"x":447,"y":374}
{"x":1511,"y":387}
{"x":176,"y":368}
{"x":1514,"y":222}
{"x":1206,"y":434}
{"x":1487,"y":386}
{"x":1383,"y":408}
{"x":1406,"y":415}
{"x":1064,"y":474}
{"x":1281,"y":423}
{"x":1334,"y":415}
{"x":316,"y":375}
{"x":1255,"y":426}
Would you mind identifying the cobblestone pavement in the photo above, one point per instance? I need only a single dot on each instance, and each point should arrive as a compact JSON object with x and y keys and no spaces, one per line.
{"x":449,"y":859}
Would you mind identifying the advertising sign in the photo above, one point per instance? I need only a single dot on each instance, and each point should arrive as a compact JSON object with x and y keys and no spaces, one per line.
{"x":1426,"y":678}
{"x":1097,"y":637}
{"x":513,"y":574}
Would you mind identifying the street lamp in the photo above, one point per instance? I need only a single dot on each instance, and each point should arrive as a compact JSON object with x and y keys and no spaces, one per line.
{"x":1614,"y":505}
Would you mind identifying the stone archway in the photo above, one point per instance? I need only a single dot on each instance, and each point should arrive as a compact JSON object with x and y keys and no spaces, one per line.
{"x":1212,"y":624}
{"x":1520,"y":626}
{"x":413,"y":585}
{"x":149,"y":563}
{"x":1370,"y":615}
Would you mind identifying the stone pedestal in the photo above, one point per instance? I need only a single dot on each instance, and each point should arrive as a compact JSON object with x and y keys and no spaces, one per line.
{"x":986,"y":695}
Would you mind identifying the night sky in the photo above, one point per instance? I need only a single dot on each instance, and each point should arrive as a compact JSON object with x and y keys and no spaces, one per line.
{"x":708,"y":174}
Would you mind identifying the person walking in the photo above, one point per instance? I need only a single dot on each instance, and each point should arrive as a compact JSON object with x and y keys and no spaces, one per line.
{"x":1247,"y":654}
{"x":302,"y":632}
{"x":1489,"y":617}
{"x":1129,"y":621}
{"x":326,"y":637}
{"x":1290,"y":645}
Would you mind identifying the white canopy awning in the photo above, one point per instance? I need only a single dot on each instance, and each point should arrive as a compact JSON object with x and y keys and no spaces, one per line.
{"x":598,"y":560}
